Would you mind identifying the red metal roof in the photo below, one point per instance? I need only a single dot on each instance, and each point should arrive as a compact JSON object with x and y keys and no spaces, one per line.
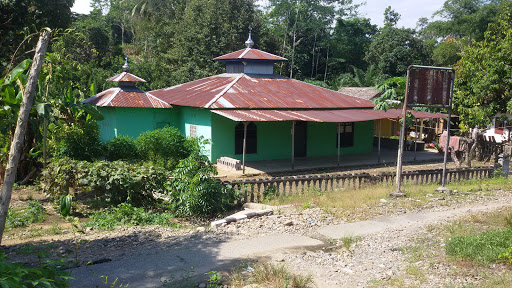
{"x":249,"y":54}
{"x":397,"y":113}
{"x":126,"y":97}
{"x":126,"y":77}
{"x":245,"y":91}
{"x":355,"y":115}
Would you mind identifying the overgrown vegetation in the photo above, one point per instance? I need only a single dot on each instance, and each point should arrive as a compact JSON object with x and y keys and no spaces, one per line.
{"x":485,"y":248}
{"x":268,"y":275}
{"x":45,"y":274}
{"x":127,"y":215}
{"x":22,"y":217}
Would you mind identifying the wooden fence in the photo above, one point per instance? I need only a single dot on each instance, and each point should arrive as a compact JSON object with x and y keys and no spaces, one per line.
{"x":254,"y":190}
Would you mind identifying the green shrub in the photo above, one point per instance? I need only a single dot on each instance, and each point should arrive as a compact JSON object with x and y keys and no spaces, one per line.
{"x":113,"y":182}
{"x":118,"y":182}
{"x":121,"y":148}
{"x":79,"y":142}
{"x":34,"y":213}
{"x":46,"y":274}
{"x":164,"y":147}
{"x":195,"y":192}
{"x":484,"y":248}
{"x":127,"y":215}
{"x":62,"y":174}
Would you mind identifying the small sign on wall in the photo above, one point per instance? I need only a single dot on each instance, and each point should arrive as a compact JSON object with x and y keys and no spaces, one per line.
{"x":193,"y":131}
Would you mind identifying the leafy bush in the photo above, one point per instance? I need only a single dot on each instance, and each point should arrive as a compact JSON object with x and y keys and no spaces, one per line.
{"x":127,"y":215}
{"x":164,"y":147}
{"x":485,"y":247}
{"x":194,"y":191}
{"x":121,"y":148}
{"x":61,"y":175}
{"x":34,"y":213}
{"x":79,"y":142}
{"x":45,"y":274}
{"x":114,"y":182}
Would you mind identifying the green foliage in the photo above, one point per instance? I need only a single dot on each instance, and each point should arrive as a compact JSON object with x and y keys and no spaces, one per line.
{"x":33,"y":213}
{"x":46,"y":274}
{"x":121,"y":148}
{"x":127,"y":215}
{"x":506,"y":256}
{"x":484,"y":248}
{"x":483,"y":86}
{"x":215,"y":280}
{"x":79,"y":142}
{"x":164,"y":147}
{"x":65,"y":204}
{"x":195,"y":192}
{"x":113,"y":182}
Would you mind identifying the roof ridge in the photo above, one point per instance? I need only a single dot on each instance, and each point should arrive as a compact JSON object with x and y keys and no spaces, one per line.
{"x":109,"y":99}
{"x":214,"y":99}
{"x":158,"y":99}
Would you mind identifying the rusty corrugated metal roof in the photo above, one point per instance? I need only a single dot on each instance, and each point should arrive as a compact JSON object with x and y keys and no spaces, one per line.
{"x":126,"y":77}
{"x":249,"y":91}
{"x":367,"y":93}
{"x":126,"y":96}
{"x":332,"y":116}
{"x":250,"y":54}
{"x":397,"y":113}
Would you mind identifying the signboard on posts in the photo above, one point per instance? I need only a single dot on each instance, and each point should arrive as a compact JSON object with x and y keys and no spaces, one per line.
{"x":429,"y":87}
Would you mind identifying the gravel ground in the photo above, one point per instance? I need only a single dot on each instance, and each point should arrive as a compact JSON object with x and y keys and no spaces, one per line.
{"x":379,"y":259}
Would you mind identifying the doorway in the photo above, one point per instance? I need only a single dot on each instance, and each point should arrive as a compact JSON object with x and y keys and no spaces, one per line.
{"x":301,"y":133}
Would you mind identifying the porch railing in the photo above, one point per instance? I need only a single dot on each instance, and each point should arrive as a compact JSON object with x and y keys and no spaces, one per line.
{"x":255,"y":190}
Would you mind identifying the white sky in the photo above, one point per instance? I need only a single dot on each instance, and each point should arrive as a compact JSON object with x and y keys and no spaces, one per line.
{"x":410,"y":10}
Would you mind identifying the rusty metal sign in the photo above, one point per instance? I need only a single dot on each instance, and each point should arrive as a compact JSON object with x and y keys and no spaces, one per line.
{"x":430,"y":86}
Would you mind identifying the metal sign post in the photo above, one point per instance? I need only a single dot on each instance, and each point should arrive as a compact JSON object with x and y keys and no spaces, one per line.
{"x":426,"y":87}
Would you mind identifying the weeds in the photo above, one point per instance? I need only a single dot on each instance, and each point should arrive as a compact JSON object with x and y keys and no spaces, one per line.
{"x":348,"y":241}
{"x":33,"y":213}
{"x":485,"y":248}
{"x":270,"y":275}
{"x":127,"y":215}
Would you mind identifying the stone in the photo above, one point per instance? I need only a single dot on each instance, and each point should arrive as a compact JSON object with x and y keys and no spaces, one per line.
{"x":443,"y":189}
{"x":202,"y":285}
{"x":397,"y":194}
{"x":288,"y":223}
{"x":200,"y":229}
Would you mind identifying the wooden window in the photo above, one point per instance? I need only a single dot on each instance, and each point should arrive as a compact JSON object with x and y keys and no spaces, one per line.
{"x":346,"y":135}
{"x":251,"y":142}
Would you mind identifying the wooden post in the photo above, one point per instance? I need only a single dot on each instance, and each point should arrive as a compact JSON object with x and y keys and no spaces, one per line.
{"x":378,"y":147}
{"x":21,"y":126}
{"x":339,"y":143}
{"x":402,"y":135}
{"x":243,"y":150}
{"x":415,"y":138}
{"x":293,"y":145}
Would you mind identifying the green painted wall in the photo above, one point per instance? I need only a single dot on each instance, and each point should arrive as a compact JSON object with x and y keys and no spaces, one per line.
{"x":132,"y":121}
{"x":274,"y":139}
{"x":322,"y":139}
{"x":201,"y":119}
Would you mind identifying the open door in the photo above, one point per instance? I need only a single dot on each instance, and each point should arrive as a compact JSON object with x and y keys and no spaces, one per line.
{"x":301,"y":133}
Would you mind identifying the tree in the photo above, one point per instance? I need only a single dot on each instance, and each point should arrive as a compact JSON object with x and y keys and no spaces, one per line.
{"x":483,"y":86}
{"x":352,"y":38}
{"x":21,"y":18}
{"x":464,"y":18}
{"x":15,"y":152}
{"x":394,"y":49}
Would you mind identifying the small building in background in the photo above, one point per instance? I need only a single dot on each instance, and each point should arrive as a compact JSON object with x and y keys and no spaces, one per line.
{"x":128,"y":110}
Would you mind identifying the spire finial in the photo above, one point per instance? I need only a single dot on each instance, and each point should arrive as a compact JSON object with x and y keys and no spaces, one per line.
{"x":249,"y":43}
{"x":125,"y":66}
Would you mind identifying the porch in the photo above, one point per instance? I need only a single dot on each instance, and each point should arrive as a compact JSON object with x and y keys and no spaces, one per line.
{"x":388,"y":157}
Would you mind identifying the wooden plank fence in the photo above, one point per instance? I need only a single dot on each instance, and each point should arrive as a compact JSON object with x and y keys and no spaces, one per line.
{"x":254,"y":190}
